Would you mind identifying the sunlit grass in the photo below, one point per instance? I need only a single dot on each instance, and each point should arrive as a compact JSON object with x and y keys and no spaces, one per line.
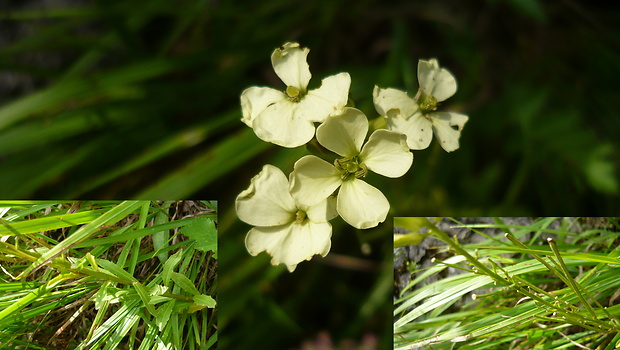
{"x":557,"y":295}
{"x":104,"y":275}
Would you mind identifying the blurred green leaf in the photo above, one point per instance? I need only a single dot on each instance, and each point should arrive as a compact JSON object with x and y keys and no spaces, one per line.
{"x":532,"y":8}
{"x":208,"y":166}
{"x":68,"y":90}
{"x":601,"y":170}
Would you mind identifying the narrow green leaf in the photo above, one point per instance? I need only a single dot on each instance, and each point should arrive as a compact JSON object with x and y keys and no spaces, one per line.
{"x":30,"y":297}
{"x":116,"y":270}
{"x":159,"y":149}
{"x":169,"y":266}
{"x":126,"y":236}
{"x":122,"y":328}
{"x":109,"y":218}
{"x":48,"y":223}
{"x":31,"y":135}
{"x":207,"y":166}
{"x":15,"y":286}
{"x":212,"y":340}
{"x":78,"y":88}
{"x":143,"y":293}
{"x":184,"y":282}
{"x":163,"y":314}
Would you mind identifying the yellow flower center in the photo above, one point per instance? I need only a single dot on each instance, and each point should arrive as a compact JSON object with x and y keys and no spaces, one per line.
{"x":293,"y":93}
{"x":300,"y":217}
{"x":351,"y":167}
{"x":426,"y":102}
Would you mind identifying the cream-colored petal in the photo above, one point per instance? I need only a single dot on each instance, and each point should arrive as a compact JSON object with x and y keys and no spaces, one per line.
{"x":323,"y":211}
{"x":436,"y":81}
{"x":447,"y":127}
{"x":344,"y":134}
{"x":418,"y":129}
{"x":281,"y":124}
{"x":256,"y":99}
{"x":313,"y":180}
{"x":361,"y":205}
{"x":267,"y":202}
{"x":389,"y":99}
{"x":327,"y":100}
{"x":292,"y":243}
{"x":387,"y":153}
{"x":290,"y":64}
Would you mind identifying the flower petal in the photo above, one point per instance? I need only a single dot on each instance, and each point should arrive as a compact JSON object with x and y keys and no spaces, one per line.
{"x":361,"y":205}
{"x":417,"y":128}
{"x":281,"y":124}
{"x":344,"y":134}
{"x":390,"y":99}
{"x":323,"y":211}
{"x":290,"y":64}
{"x":256,"y":99}
{"x":292,"y":243}
{"x":444,"y":124}
{"x":327,"y":100}
{"x":387,"y":153}
{"x":435,"y":81}
{"x":267,"y":202}
{"x":313,"y":180}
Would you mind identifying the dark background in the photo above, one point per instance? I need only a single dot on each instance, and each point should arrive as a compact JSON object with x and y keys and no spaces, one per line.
{"x":140,"y":99}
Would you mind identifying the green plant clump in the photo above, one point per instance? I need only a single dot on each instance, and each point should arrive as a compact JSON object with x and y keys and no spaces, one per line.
{"x":108,"y":274}
{"x":562,"y":294}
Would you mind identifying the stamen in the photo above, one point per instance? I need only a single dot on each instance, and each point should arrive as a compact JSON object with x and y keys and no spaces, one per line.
{"x":300,"y":216}
{"x":351,"y":167}
{"x":426,"y":102}
{"x":293,"y":93}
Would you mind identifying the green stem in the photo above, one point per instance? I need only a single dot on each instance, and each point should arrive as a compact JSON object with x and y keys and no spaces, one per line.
{"x":444,"y":237}
{"x":537,"y":257}
{"x":571,"y":282}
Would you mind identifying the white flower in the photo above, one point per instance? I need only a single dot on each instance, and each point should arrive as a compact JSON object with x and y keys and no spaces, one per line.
{"x":436,"y":84}
{"x":286,"y":230}
{"x":287,"y":118}
{"x":358,"y":203}
{"x":416,"y":117}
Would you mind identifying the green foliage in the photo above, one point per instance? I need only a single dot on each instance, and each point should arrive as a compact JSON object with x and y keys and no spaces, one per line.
{"x":140,"y":99}
{"x":549,"y":297}
{"x":204,"y":233}
{"x":84,"y":275}
{"x":157,"y":87}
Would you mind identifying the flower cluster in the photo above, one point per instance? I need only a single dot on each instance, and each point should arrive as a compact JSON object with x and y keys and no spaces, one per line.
{"x":291,"y":215}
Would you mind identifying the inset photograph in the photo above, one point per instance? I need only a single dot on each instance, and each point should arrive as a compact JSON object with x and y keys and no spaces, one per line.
{"x":108,"y":274}
{"x":506,"y":282}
